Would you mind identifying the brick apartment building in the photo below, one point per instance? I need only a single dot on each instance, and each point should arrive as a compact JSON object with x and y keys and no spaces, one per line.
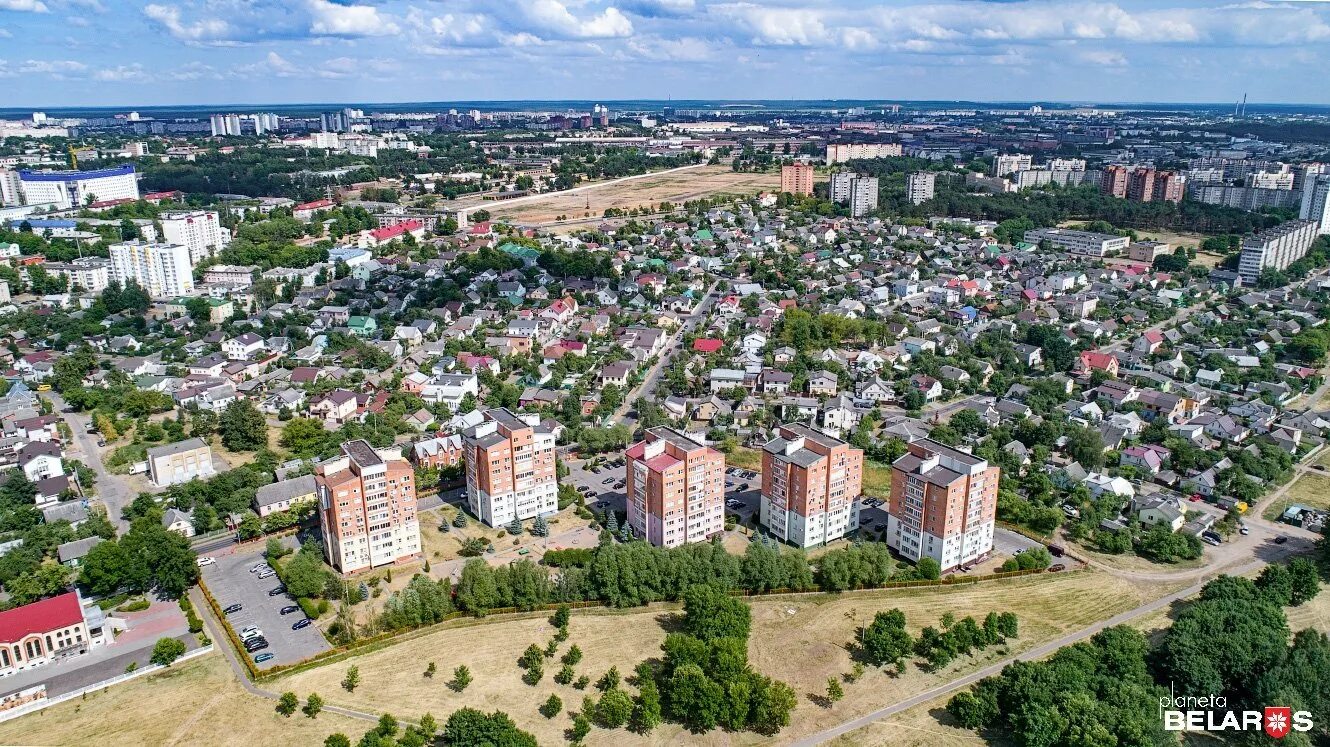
{"x":811,"y":485}
{"x":797,"y":178}
{"x":675,"y":488}
{"x":943,"y":505}
{"x":367,"y":508}
{"x":510,"y":468}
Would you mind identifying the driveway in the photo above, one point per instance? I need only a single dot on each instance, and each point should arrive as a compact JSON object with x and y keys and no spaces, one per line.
{"x":230,"y":582}
{"x":114,"y":491}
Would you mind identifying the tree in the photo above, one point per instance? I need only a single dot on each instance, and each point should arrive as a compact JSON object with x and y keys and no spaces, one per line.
{"x":614,"y":709}
{"x":551,"y":707}
{"x":573,"y":655}
{"x":337,"y":740}
{"x":646,"y":709}
{"x":430,"y":670}
{"x":885,"y":640}
{"x":515,"y":527}
{"x":609,"y":680}
{"x":167,"y":650}
{"x":477,"y":590}
{"x":928,"y":569}
{"x":352,"y":679}
{"x":288,"y":703}
{"x":1305,"y":579}
{"x":581,"y":728}
{"x":562,"y":616}
{"x":243,"y":427}
{"x":461,"y":678}
{"x":468,"y":727}
{"x":834,"y":690}
{"x":711,"y":613}
{"x":313,"y":704}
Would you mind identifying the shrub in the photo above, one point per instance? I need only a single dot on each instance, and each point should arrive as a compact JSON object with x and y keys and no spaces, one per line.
{"x":352,"y":679}
{"x":138,"y":605}
{"x":551,"y":707}
{"x":309,"y":607}
{"x":167,"y":650}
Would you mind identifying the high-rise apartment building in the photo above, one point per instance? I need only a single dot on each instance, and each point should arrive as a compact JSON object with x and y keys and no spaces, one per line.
{"x":1275,"y":248}
{"x":1113,"y":181}
{"x":1170,"y":186}
{"x":225,"y":125}
{"x":67,"y":189}
{"x":796,"y":178}
{"x":857,"y":191}
{"x":367,"y":508}
{"x":1010,"y":163}
{"x":919,"y":186}
{"x":943,"y":505}
{"x":1316,"y":202}
{"x":676,"y":488}
{"x":1141,"y":185}
{"x":11,"y":188}
{"x":1066,"y":164}
{"x":811,"y":485}
{"x":199,"y":231}
{"x":162,"y":270}
{"x":843,"y":152}
{"x":510,"y":468}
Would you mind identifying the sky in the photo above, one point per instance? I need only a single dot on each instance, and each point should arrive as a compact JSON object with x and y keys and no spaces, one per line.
{"x":165,"y":52}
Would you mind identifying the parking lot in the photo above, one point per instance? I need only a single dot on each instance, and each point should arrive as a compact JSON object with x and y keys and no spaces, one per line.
{"x":231,"y":582}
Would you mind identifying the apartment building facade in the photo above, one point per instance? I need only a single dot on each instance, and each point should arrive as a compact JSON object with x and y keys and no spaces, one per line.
{"x":510,"y":468}
{"x":919,"y":186}
{"x":811,"y":484}
{"x":199,"y":231}
{"x":943,"y":505}
{"x":675,"y":488}
{"x":796,"y":178}
{"x":367,"y":508}
{"x":1085,"y":243}
{"x":1276,"y":248}
{"x":162,"y":270}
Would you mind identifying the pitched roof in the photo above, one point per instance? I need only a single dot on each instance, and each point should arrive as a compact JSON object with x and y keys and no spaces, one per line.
{"x":40,"y":617}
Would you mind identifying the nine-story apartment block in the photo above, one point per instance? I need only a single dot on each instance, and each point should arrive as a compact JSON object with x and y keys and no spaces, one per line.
{"x":675,"y":488}
{"x":811,"y":483}
{"x":510,"y":468}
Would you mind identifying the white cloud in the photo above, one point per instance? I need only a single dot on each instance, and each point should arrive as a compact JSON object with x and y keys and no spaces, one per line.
{"x":24,"y":6}
{"x":51,"y":67}
{"x":552,"y":18}
{"x":1104,"y":58}
{"x":202,"y":31}
{"x":331,"y":19}
{"x":121,"y":73}
{"x":686,"y":49}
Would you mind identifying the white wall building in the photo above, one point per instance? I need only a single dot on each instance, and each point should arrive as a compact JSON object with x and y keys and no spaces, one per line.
{"x":842,"y":152}
{"x":919,"y":186}
{"x":200,"y":231}
{"x":91,"y":274}
{"x":11,"y":188}
{"x":1275,"y":248}
{"x":1010,"y":163}
{"x":67,"y":189}
{"x":1085,"y":243}
{"x":1316,"y":203}
{"x":163,"y":270}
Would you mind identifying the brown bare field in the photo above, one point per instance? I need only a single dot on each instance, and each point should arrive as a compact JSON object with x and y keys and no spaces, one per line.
{"x":926,"y":725}
{"x":675,"y":187}
{"x":198,"y":702}
{"x":801,"y":640}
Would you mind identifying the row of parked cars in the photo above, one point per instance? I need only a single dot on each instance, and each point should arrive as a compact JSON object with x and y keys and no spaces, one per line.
{"x":251,"y":636}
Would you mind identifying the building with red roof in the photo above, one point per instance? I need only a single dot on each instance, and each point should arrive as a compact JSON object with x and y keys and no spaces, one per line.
{"x":305,"y":211}
{"x":707,"y":344}
{"x":44,"y":632}
{"x":380,"y":236}
{"x":1094,"y":361}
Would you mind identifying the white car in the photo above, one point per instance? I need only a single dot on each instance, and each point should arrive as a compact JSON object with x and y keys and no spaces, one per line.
{"x":260,"y":567}
{"x":267,"y":574}
{"x":250,"y":632}
{"x":205,"y":560}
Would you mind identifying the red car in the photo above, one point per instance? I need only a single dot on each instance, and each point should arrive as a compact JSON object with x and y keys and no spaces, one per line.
{"x":1196,"y":498}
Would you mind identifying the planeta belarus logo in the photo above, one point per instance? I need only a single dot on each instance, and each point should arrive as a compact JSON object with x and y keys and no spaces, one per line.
{"x":1277,"y":721}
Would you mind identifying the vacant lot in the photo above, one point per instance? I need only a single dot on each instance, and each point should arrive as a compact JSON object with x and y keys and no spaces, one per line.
{"x":744,"y":458}
{"x":198,"y":702}
{"x":800,"y":640}
{"x":1307,"y":489}
{"x":927,"y":725}
{"x":648,"y":191}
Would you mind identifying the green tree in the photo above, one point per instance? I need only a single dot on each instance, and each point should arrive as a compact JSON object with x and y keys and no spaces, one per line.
{"x":461,"y":678}
{"x":468,"y":726}
{"x":313,"y":704}
{"x":288,"y":703}
{"x":352,"y":679}
{"x":834,"y":690}
{"x":166,"y":650}
{"x":885,"y":640}
{"x":337,"y":740}
{"x":614,"y":709}
{"x":243,"y":427}
{"x":552,"y":706}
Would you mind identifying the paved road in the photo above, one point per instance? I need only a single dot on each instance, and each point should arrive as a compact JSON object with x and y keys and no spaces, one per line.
{"x":1044,"y":650}
{"x":647,"y":389}
{"x":113,"y":490}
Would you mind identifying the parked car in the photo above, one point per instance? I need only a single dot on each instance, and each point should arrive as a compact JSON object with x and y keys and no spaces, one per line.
{"x":276,"y":591}
{"x":1210,"y":541}
{"x":249,"y":631}
{"x":1057,"y":567}
{"x":1281,"y":539}
{"x":304,"y":622}
{"x":607,"y":481}
{"x":260,"y":567}
{"x":265,"y":575}
{"x":260,"y":658}
{"x":258,"y":645}
{"x":205,"y":560}
{"x":288,"y":609}
{"x":232,"y":609}
{"x":1057,"y":551}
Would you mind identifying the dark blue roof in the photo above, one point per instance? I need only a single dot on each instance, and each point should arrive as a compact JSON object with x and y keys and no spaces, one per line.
{"x":69,"y":176}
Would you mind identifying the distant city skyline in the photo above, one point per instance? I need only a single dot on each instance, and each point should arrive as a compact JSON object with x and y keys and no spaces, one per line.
{"x":71,"y":53}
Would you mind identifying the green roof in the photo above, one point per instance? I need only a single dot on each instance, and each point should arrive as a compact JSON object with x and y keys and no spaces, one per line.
{"x":704,"y":235}
{"x":525,"y":253}
{"x":361,"y":321}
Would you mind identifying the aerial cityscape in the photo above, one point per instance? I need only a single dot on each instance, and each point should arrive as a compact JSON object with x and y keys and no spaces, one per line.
{"x":625,"y":373}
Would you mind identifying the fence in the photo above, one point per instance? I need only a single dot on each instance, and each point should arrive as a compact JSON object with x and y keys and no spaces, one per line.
{"x":38,"y":705}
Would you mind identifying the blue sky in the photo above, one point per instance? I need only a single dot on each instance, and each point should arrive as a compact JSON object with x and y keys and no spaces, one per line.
{"x":112,"y":52}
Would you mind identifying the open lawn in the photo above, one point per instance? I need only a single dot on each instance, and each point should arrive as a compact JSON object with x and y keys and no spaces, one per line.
{"x":744,"y":458}
{"x":877,"y":479}
{"x":801,"y":640}
{"x":1308,"y":490}
{"x":926,"y":725}
{"x":649,"y":191}
{"x":198,"y":702}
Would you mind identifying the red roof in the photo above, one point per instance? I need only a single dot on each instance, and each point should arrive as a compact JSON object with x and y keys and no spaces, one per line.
{"x":40,"y":617}
{"x":315,"y":205}
{"x":159,"y":196}
{"x":1093,"y":359}
{"x":391,"y":232}
{"x":707,"y":344}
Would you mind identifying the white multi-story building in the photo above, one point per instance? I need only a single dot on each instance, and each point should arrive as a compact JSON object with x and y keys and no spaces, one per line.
{"x":1316,"y":202}
{"x":67,"y":189}
{"x":1270,"y":180}
{"x":11,"y":188}
{"x":510,"y":468}
{"x":1275,"y":248}
{"x":857,"y":191}
{"x":919,"y":186}
{"x":162,"y":270}
{"x":1079,"y":242}
{"x":842,"y":152}
{"x":200,"y":231}
{"x":1066,"y":164}
{"x":92,"y":274}
{"x":1012,"y":162}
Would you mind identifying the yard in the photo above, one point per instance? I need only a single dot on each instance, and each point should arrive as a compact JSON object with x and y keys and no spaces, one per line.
{"x":1308,"y":490}
{"x":192,"y":703}
{"x":744,"y":458}
{"x":800,"y":640}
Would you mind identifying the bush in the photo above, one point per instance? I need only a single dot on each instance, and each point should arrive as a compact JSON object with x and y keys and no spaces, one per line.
{"x":138,"y":605}
{"x":551,"y":707}
{"x":195,"y":623}
{"x":166,"y":651}
{"x":309,"y":607}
